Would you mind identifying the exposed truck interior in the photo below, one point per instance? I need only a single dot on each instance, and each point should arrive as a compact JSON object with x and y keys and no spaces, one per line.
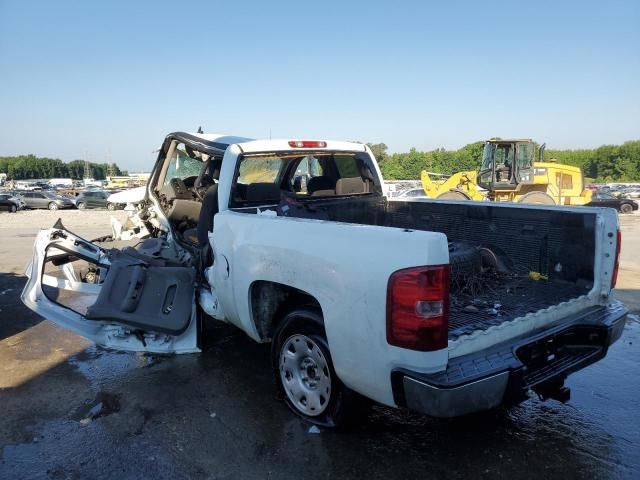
{"x":186,"y":187}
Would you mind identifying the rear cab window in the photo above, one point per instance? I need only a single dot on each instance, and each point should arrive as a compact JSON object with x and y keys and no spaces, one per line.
{"x":262,"y":179}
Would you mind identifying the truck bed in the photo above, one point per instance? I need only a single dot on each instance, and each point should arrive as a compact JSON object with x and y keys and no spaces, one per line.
{"x":556,"y":244}
{"x":507,"y":300}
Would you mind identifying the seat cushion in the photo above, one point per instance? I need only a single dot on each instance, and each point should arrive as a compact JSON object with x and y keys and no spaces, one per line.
{"x":349,"y":185}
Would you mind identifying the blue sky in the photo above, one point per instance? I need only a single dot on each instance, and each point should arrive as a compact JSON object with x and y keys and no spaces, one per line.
{"x":112,"y":78}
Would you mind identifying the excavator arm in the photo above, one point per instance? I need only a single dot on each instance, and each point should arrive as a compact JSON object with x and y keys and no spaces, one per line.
{"x":462,"y":185}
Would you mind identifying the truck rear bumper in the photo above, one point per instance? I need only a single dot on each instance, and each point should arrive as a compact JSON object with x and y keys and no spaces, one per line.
{"x":505,"y":373}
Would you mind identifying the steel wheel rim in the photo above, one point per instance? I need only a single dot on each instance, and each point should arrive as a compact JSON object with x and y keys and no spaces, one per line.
{"x":305,"y":375}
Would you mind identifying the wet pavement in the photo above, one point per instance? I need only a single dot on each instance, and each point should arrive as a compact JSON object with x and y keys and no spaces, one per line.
{"x":71,"y":410}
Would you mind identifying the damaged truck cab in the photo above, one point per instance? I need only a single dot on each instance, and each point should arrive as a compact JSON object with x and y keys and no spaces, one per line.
{"x":443,"y":307}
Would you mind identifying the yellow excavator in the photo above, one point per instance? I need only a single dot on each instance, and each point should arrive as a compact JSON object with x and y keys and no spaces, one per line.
{"x":508,"y":173}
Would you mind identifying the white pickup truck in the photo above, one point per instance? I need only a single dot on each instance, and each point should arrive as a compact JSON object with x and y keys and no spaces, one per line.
{"x":443,"y":307}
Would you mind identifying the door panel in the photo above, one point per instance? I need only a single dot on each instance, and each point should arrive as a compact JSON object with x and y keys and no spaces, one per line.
{"x":40,"y":201}
{"x":111,"y":297}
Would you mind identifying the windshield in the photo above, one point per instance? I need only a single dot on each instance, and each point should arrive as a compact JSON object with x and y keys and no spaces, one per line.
{"x":184,"y":164}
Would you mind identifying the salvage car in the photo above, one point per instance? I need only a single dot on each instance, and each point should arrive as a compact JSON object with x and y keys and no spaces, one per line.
{"x":444,"y":307}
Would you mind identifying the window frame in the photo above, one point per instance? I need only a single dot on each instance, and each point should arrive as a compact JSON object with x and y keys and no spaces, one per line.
{"x":327,"y":167}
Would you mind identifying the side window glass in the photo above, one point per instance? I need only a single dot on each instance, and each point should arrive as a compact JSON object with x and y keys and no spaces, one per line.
{"x":258,"y":180}
{"x":259,"y":170}
{"x":525,"y":155}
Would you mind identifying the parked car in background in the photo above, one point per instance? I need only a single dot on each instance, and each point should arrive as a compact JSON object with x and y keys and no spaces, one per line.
{"x":412,"y":193}
{"x":10,"y":203}
{"x":95,"y":199}
{"x":631,"y":192}
{"x":623,"y":205}
{"x":45,"y":199}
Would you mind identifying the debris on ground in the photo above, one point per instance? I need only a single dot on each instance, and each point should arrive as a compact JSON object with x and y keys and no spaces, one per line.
{"x":104,"y":404}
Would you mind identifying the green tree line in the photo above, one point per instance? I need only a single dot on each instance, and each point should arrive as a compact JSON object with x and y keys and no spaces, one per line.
{"x":25,"y":167}
{"x":608,"y":163}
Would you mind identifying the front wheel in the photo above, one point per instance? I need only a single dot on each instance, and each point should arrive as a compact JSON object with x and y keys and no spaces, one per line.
{"x":626,"y":208}
{"x":453,"y":195}
{"x":111,"y":206}
{"x":537,"y":198}
{"x":81,"y":205}
{"x":13,"y":209}
{"x":305,"y":375}
{"x":53,"y":206}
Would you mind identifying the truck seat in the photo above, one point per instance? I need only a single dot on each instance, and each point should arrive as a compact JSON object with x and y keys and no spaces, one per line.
{"x":321,"y":186}
{"x":349,"y":185}
{"x":263,"y":192}
{"x":200,"y":234}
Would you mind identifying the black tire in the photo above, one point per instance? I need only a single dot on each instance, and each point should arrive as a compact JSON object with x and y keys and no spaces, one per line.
{"x":81,"y":205}
{"x":465,"y":265}
{"x":53,"y":206}
{"x":626,"y":208}
{"x":453,"y":195}
{"x":13,"y":209}
{"x":111,"y":206}
{"x":537,"y":198}
{"x":343,"y":406}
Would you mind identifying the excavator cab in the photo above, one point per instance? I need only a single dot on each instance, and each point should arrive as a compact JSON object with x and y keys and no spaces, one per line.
{"x":505,"y":164}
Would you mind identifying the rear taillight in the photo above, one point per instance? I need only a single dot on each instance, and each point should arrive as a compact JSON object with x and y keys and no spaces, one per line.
{"x":307,"y":144}
{"x":616,"y":266}
{"x":418,"y":308}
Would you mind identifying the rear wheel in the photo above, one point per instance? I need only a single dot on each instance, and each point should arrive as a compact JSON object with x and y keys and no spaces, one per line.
{"x":540,"y":198}
{"x":453,"y":195}
{"x":626,"y":208}
{"x":81,"y":205}
{"x":111,"y":206}
{"x":53,"y":206}
{"x":305,"y":375}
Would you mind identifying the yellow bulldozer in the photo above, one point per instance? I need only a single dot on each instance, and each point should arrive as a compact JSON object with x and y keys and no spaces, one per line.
{"x":508,"y":173}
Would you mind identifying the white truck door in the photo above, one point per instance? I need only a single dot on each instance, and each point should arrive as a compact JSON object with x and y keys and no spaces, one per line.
{"x":112,"y":298}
